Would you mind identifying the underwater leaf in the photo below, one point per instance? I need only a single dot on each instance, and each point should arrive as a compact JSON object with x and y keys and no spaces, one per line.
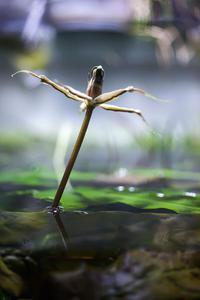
{"x":9,"y":281}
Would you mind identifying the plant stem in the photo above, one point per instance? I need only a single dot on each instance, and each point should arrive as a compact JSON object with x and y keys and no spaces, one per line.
{"x":73,"y":157}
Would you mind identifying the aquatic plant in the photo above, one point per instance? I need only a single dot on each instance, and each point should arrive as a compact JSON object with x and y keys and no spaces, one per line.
{"x":90,"y":100}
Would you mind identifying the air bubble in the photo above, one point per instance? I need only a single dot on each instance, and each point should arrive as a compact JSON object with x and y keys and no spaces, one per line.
{"x":160,"y":195}
{"x":190,"y":194}
{"x":131,"y":189}
{"x":120,"y":188}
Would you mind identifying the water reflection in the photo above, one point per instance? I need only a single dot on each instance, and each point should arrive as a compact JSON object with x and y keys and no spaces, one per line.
{"x":98,"y":232}
{"x":128,"y":248}
{"x":61,"y":229}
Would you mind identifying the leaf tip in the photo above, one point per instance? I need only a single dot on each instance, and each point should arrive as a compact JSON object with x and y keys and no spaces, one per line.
{"x":20,"y":71}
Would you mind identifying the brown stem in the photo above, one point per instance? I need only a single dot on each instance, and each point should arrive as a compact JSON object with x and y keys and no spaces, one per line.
{"x":73,"y":157}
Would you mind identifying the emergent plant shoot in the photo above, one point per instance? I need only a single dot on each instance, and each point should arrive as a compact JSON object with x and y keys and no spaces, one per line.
{"x":93,"y":98}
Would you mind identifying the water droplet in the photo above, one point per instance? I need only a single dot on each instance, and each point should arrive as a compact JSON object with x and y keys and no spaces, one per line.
{"x":120,"y":188}
{"x":131,"y":189}
{"x":160,"y":195}
{"x":190,"y":194}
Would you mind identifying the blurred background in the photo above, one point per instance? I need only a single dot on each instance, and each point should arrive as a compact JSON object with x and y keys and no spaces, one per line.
{"x":151,"y":44}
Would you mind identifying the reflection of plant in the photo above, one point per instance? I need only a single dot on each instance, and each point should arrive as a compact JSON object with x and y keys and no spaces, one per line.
{"x":88,"y":101}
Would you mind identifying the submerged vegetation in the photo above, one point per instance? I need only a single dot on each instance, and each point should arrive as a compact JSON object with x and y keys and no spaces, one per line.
{"x":27,"y":178}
